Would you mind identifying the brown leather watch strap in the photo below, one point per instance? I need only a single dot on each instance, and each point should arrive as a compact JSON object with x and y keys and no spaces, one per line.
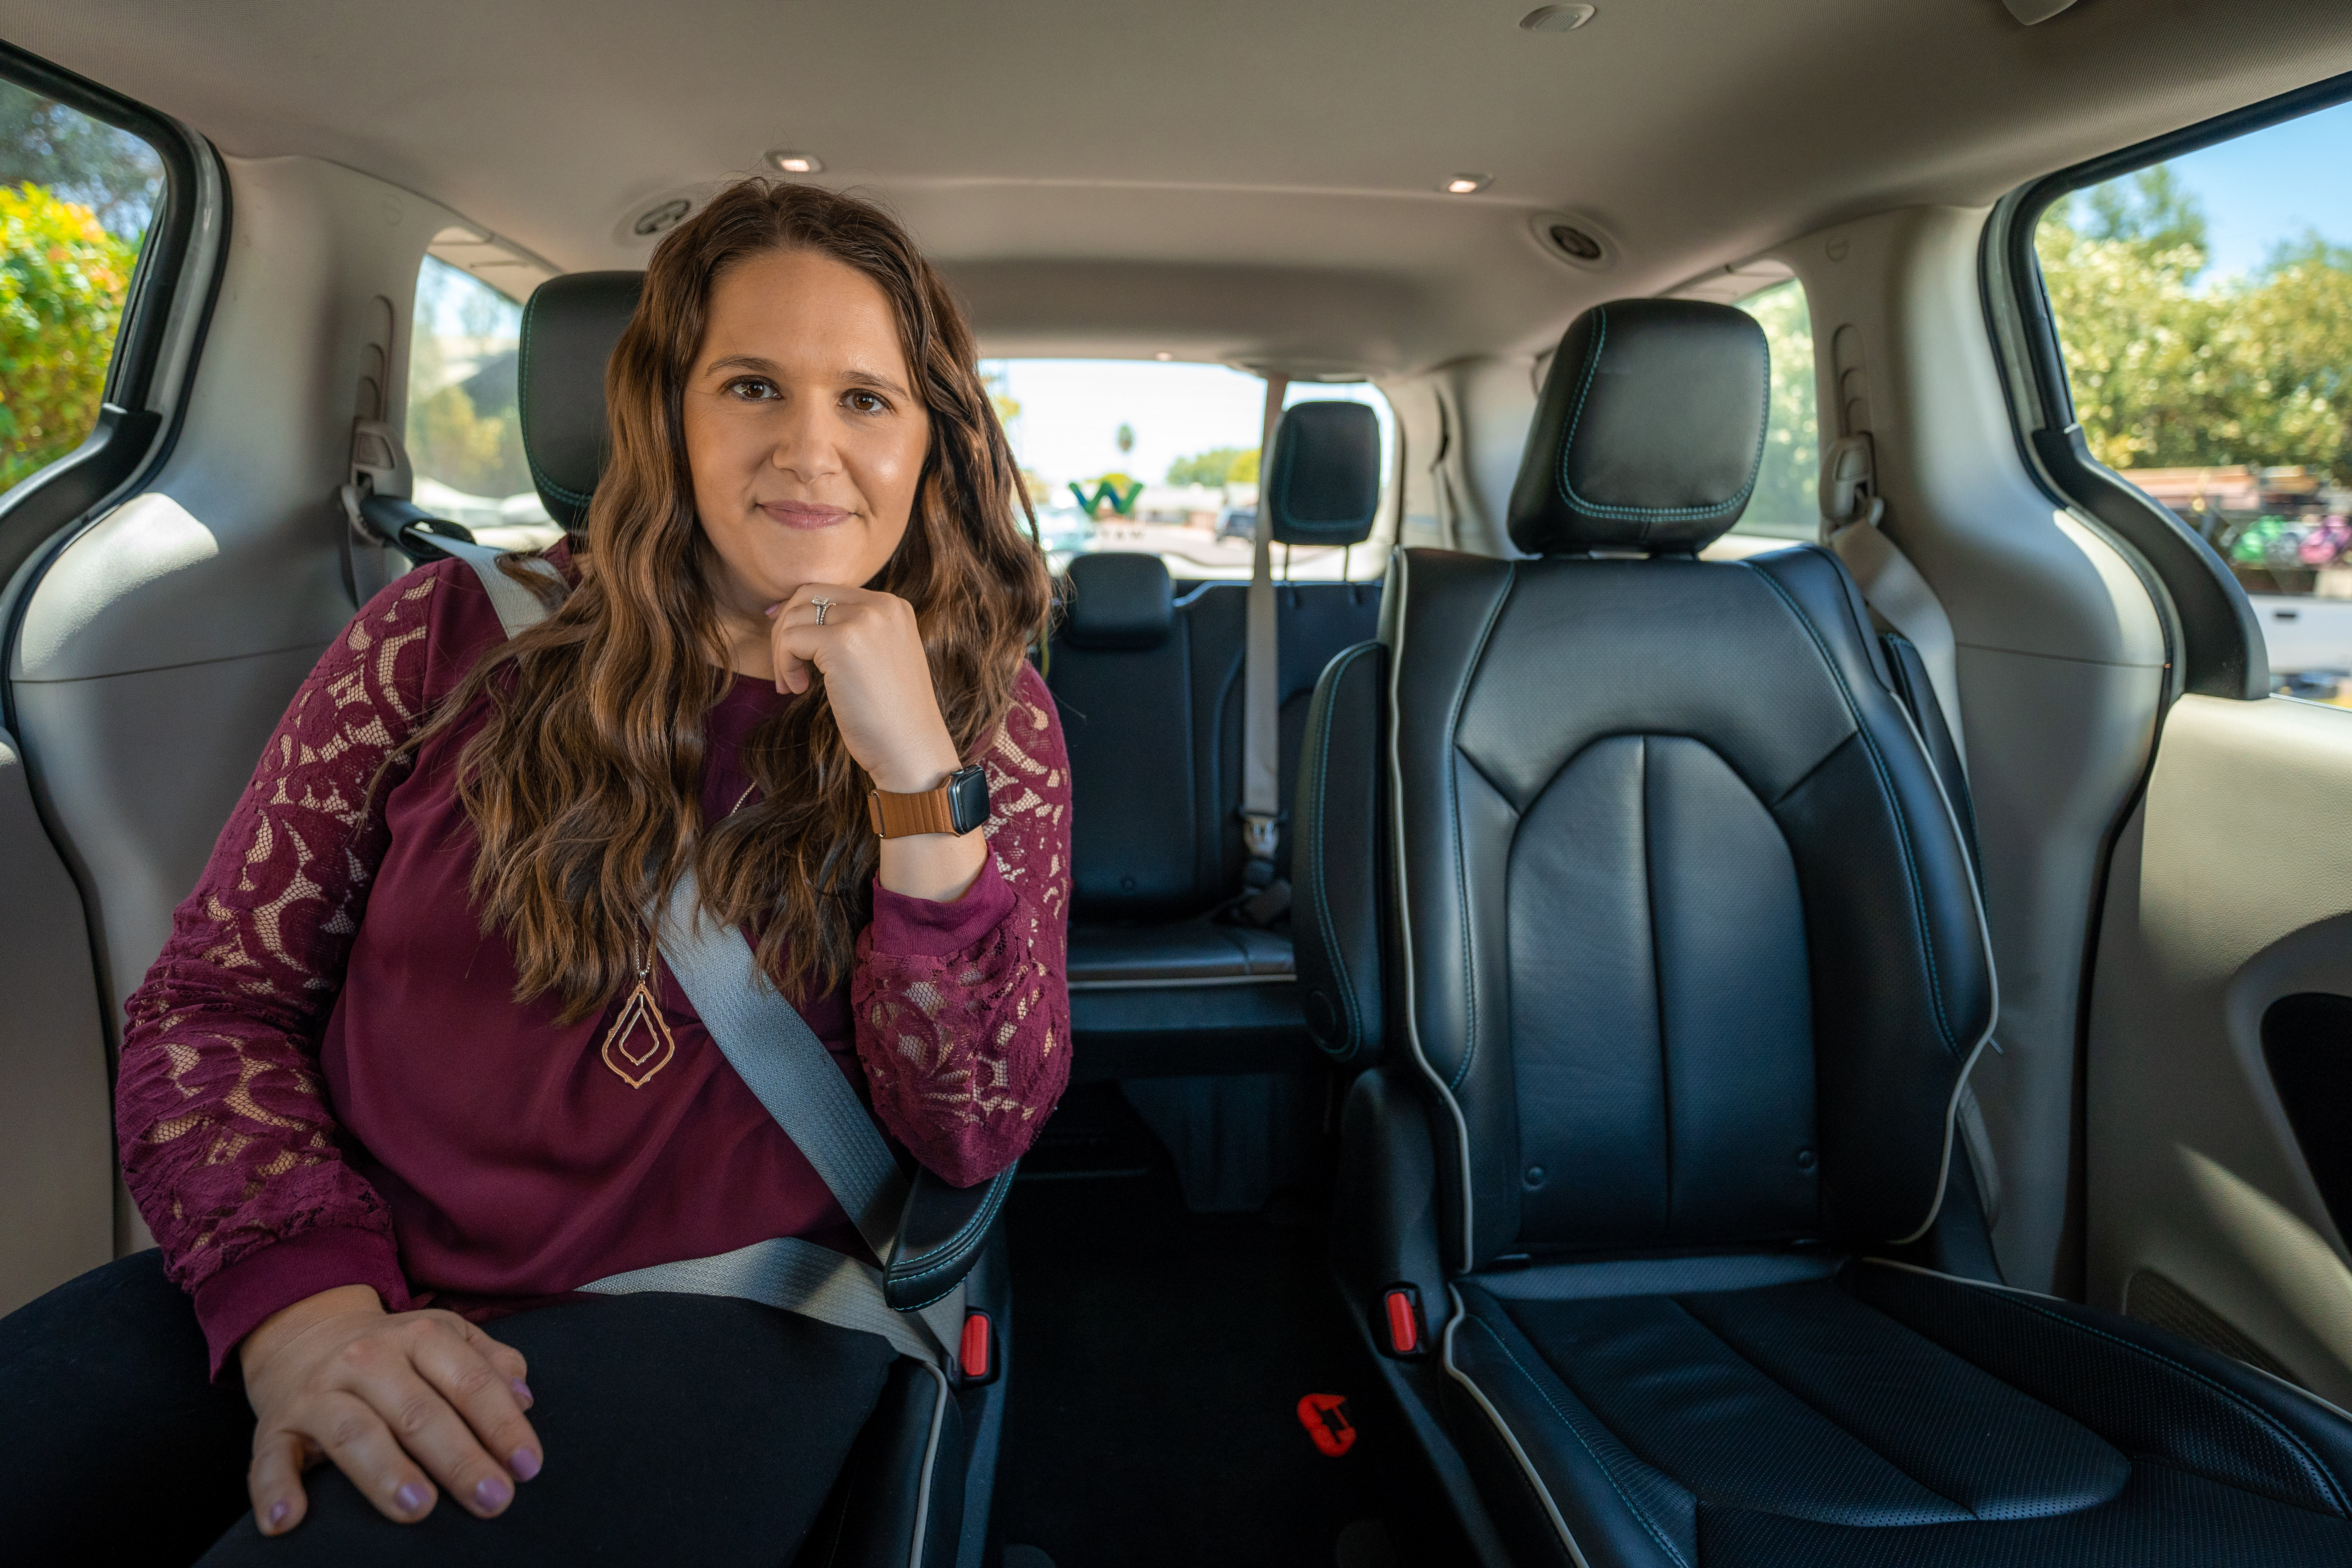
{"x":904,"y":816}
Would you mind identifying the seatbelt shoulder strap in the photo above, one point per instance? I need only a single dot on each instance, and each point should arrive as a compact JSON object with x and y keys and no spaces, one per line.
{"x":1261,"y":689}
{"x":786,"y":1067}
{"x":1851,"y":513}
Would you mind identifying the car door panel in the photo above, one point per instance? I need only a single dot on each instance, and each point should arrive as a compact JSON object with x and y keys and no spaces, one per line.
{"x":56,"y":1165}
{"x":2231,"y":891}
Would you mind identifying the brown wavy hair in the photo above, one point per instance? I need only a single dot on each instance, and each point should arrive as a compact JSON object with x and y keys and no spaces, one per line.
{"x":582,"y":786}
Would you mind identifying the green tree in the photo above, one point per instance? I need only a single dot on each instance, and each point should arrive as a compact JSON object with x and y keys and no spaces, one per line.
{"x":62,"y":282}
{"x":1787,"y":500}
{"x":2150,"y":211}
{"x":2170,"y":370}
{"x":78,"y":158}
{"x":1214,"y":467}
{"x":1125,"y":439}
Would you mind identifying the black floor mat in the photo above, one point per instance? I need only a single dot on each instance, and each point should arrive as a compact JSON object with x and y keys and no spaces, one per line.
{"x":1159,"y":1360}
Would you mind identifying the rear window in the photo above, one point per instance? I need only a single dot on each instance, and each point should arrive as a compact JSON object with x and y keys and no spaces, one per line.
{"x":1162,"y":458}
{"x":2204,"y":315}
{"x":77,"y":198}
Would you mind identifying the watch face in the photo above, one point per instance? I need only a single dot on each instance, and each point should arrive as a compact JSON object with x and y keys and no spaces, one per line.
{"x":968,"y":798}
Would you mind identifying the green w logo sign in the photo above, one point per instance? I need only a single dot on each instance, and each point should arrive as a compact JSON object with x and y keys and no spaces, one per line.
{"x":1106,"y":492}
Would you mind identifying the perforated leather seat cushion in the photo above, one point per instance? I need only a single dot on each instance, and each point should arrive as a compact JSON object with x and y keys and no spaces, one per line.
{"x":1875,"y":1415}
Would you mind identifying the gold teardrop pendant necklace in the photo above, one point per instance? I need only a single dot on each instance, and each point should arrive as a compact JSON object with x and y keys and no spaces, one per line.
{"x":639,"y":1044}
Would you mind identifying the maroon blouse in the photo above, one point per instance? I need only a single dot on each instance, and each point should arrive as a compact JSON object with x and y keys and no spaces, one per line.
{"x":326,"y":1080}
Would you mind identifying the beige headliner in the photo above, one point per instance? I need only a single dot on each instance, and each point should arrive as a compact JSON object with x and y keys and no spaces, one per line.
{"x":1245,"y":182}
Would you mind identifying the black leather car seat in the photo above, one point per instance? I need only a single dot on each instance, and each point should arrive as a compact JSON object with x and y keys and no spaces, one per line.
{"x":1150,"y":689}
{"x":1677,"y":966}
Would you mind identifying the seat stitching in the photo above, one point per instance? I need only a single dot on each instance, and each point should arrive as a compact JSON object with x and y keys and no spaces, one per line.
{"x":1568,"y":491}
{"x":955,"y":1245}
{"x":1320,"y":899}
{"x":1746,"y":1361}
{"x":1632,"y":1507}
{"x":2321,"y":1471}
{"x":1886,"y":792}
{"x":1461,"y":859}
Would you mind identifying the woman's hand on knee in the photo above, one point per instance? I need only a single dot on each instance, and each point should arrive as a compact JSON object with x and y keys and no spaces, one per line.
{"x":406,"y":1403}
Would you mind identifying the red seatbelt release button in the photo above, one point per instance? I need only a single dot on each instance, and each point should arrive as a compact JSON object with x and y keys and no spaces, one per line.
{"x":976,"y":1353}
{"x":1399,"y":1329}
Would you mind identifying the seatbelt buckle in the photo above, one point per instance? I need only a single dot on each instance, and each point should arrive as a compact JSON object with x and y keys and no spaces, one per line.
{"x":1261,"y":832}
{"x":1400,"y":1331}
{"x":976,"y":1354}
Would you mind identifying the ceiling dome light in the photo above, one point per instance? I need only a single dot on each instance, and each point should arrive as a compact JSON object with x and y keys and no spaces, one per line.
{"x":788,"y":161}
{"x":1466,"y":184}
{"x":1561,"y":18}
{"x":1163,"y":356}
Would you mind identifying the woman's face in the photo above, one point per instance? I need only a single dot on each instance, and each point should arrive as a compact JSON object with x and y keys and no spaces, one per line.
{"x":803,"y":429}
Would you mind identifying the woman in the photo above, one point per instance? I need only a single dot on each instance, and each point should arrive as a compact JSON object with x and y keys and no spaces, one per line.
{"x":411,"y":1069}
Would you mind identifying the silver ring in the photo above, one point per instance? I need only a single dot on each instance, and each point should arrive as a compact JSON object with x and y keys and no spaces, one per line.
{"x":822,"y":607}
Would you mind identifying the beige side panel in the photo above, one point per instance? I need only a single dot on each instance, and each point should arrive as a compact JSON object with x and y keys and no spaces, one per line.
{"x":2231,"y":887}
{"x":56,"y":1162}
{"x":2060,"y":659}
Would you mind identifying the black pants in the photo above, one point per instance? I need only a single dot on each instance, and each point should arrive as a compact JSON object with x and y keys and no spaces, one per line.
{"x":677,"y":1429}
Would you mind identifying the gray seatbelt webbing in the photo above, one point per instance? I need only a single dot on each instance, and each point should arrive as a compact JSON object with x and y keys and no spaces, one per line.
{"x":1893,"y":586}
{"x":788,"y":1070}
{"x":519,"y":609}
{"x":1261,"y":694}
{"x":1851,"y":509}
{"x":798,"y":1276}
{"x":777,"y":1055}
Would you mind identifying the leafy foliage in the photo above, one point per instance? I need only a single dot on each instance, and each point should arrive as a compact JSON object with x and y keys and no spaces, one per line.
{"x":1786,"y":501}
{"x":63,"y":279}
{"x":1217,"y":466}
{"x":2169,"y":369}
{"x":465,"y":424}
{"x":80,"y":159}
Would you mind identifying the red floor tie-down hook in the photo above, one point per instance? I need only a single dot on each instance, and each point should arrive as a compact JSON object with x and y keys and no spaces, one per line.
{"x":1324,"y":1417}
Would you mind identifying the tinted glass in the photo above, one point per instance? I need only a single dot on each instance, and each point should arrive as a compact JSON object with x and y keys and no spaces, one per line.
{"x":2204,"y":313}
{"x":1137,"y":454}
{"x":1787,"y":501}
{"x":465,"y":426}
{"x":76,"y":199}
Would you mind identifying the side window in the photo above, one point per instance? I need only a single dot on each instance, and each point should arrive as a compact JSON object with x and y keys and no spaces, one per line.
{"x":1787,"y":501}
{"x":1140,"y":455}
{"x":77,"y":196}
{"x":2204,"y":314}
{"x":465,"y":424}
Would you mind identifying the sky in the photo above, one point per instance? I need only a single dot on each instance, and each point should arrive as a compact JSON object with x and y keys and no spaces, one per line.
{"x":2275,"y":184}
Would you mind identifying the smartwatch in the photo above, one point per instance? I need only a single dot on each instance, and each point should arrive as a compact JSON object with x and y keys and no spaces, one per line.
{"x":957,"y":807}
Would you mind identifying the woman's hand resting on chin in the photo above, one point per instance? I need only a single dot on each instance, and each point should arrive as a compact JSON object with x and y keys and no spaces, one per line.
{"x":878,"y":682}
{"x":399,"y":1401}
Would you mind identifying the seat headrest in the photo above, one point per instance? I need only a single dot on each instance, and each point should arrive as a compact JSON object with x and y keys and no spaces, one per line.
{"x":568,"y":328}
{"x":1648,"y":433}
{"x":1324,"y":484}
{"x":1119,"y":601}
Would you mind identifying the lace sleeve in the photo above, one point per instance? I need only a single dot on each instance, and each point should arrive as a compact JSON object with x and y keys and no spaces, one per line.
{"x":965,"y":1033}
{"x":228,"y":1146}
